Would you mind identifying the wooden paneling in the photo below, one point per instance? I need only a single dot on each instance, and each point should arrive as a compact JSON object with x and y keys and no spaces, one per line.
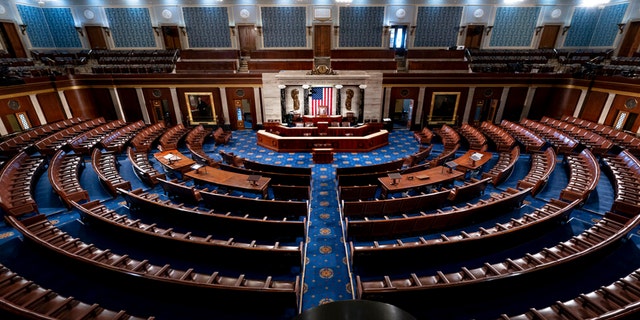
{"x":163,"y":95}
{"x":240,"y":94}
{"x":247,"y":39}
{"x":282,"y":54}
{"x":473,"y":39}
{"x":171,"y":37}
{"x":130,"y":105}
{"x":553,"y":102}
{"x":618,"y":105}
{"x":631,"y":40}
{"x":13,"y":41}
{"x":593,"y":105}
{"x":322,"y":40}
{"x":96,"y":36}
{"x":24,"y":106}
{"x":257,"y":65}
{"x":514,"y":104}
{"x":549,"y":36}
{"x":51,"y":106}
{"x":91,"y":103}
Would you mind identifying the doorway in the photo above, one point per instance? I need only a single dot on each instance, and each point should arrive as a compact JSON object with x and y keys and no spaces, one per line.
{"x":473,"y":39}
{"x":625,"y":120}
{"x":247,"y":39}
{"x":171,"y":37}
{"x":485,"y":110}
{"x":12,"y":41}
{"x":244,"y":119}
{"x":631,"y":40}
{"x":401,"y":113}
{"x":96,"y":37}
{"x":549,"y":36}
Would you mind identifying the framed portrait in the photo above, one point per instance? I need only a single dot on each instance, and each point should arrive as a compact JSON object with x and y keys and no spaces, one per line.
{"x":200,"y":108}
{"x":444,"y":107}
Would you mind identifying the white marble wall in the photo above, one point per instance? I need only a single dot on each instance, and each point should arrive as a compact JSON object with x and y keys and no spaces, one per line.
{"x":348,"y":79}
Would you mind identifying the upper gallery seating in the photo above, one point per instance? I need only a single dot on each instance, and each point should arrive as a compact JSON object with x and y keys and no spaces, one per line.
{"x":276,"y":60}
{"x":584,"y":176}
{"x":208,"y":61}
{"x":367,"y":59}
{"x":509,"y":60}
{"x":134,"y":61}
{"x":436,"y":60}
{"x":62,"y":57}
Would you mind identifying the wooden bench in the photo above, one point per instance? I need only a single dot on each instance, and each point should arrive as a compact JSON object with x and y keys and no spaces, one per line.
{"x":16,"y":177}
{"x":143,"y":168}
{"x":221,"y":136}
{"x":504,"y":167}
{"x":105,"y":165}
{"x":584,"y":177}
{"x":64,"y":177}
{"x":542,"y":165}
{"x":172,"y":137}
{"x":423,"y":136}
{"x":500,"y":137}
{"x":144,"y":140}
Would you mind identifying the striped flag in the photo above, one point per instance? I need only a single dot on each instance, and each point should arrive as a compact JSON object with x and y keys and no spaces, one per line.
{"x":322,"y":97}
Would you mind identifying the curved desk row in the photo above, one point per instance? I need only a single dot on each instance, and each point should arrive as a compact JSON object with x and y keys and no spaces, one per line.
{"x":337,"y":143}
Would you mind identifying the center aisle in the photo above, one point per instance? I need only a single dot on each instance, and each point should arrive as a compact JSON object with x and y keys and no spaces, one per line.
{"x":326,"y":276}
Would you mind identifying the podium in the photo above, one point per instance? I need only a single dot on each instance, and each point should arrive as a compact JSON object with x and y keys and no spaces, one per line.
{"x":450,"y":165}
{"x":322,"y":155}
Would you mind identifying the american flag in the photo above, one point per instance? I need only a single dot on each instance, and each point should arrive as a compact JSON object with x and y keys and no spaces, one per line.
{"x":321,"y":97}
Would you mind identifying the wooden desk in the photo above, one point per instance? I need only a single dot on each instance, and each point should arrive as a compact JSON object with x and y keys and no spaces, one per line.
{"x":466,"y":164}
{"x":437,"y":176}
{"x":322,"y":155}
{"x":229,"y":179}
{"x":178,"y":162}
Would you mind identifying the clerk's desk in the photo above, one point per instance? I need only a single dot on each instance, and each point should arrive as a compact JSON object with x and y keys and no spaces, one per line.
{"x":173,"y":160}
{"x":231,"y":180}
{"x":435,"y":176}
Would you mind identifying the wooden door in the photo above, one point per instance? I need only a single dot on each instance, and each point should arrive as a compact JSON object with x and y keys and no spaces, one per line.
{"x":171,"y":37}
{"x":96,"y":36}
{"x":247,"y":39}
{"x":322,"y":40}
{"x":12,"y":40}
{"x":631,"y":40}
{"x":549,"y":36}
{"x":473,"y":39}
{"x":239,"y":114}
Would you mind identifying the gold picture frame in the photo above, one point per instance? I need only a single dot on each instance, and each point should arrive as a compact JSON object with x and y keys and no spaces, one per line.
{"x":444,"y":108}
{"x":201,"y":108}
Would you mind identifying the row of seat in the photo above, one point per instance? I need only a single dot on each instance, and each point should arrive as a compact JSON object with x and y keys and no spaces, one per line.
{"x":194,"y":142}
{"x":282,"y":178}
{"x":395,"y":165}
{"x":402,"y":252}
{"x":116,"y":140}
{"x":395,"y":206}
{"x":595,"y":142}
{"x":100,"y":53}
{"x":620,"y":138}
{"x":64,"y":172}
{"x":86,"y":141}
{"x":105,"y":165}
{"x":172,"y":137}
{"x":233,"y":250}
{"x":17,"y":183}
{"x":256,"y":225}
{"x":530,"y":140}
{"x":504,"y":166}
{"x":417,"y":157}
{"x":264,"y":167}
{"x":501,"y":138}
{"x":51,"y":144}
{"x":475,"y":138}
{"x":542,"y":165}
{"x":142,"y":167}
{"x":404,"y":292}
{"x":144,"y":139}
{"x":584,"y":176}
{"x":136,"y":60}
{"x":562,"y":142}
{"x":440,"y":220}
{"x":44,"y":233}
{"x":23,"y":298}
{"x":22,"y":141}
{"x":625,"y":170}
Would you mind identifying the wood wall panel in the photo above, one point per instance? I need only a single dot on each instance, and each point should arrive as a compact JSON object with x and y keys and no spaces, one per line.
{"x":618,"y":105}
{"x":51,"y":106}
{"x":130,"y":104}
{"x":515,"y":103}
{"x":553,"y":102}
{"x":91,"y":103}
{"x":235,"y":94}
{"x":25,"y":106}
{"x":593,"y":105}
{"x":163,"y":94}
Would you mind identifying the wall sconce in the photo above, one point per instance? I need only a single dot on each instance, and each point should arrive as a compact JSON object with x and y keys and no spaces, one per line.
{"x":259,"y":29}
{"x":23,"y":28}
{"x":183,"y":30}
{"x":413,"y":30}
{"x":233,"y":30}
{"x":309,"y":30}
{"x":107,"y":31}
{"x":157,"y":30}
{"x":489,"y":28}
{"x":565,"y":29}
{"x":538,"y":29}
{"x":386,"y":30}
{"x":621,"y":27}
{"x":335,"y":30}
{"x":461,"y":30}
